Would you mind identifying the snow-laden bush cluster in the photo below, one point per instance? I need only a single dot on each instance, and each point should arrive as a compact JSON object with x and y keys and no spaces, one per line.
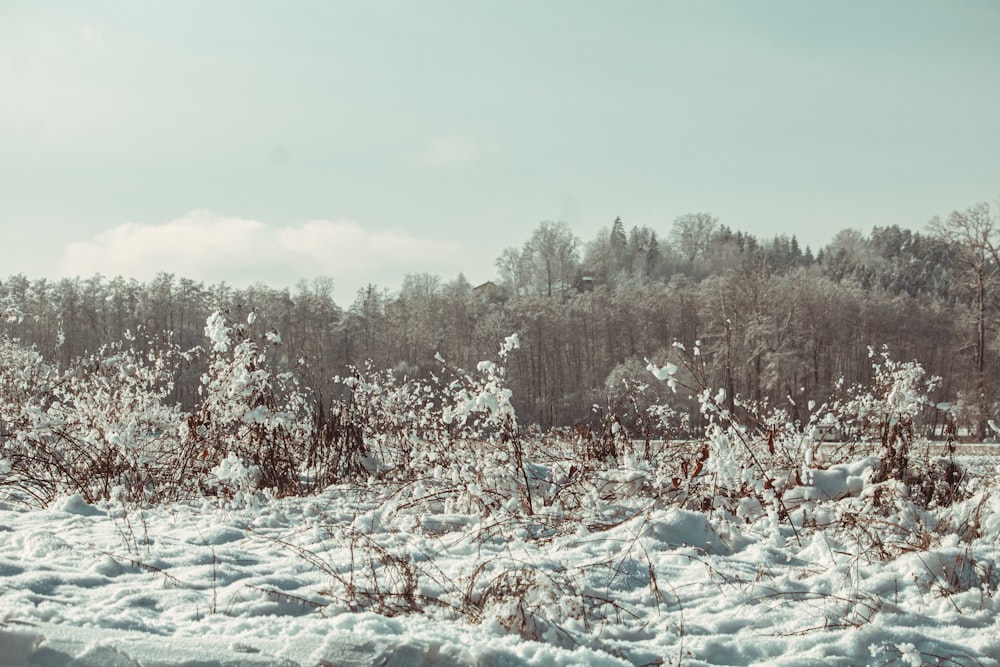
{"x":100,"y":428}
{"x":103,"y":428}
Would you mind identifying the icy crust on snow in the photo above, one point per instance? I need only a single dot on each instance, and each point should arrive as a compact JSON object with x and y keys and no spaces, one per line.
{"x":192,"y":584}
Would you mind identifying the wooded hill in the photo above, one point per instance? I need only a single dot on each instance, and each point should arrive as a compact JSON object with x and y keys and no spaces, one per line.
{"x":763,"y":319}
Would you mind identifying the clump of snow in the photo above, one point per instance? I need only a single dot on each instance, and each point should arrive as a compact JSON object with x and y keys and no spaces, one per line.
{"x":233,"y":470}
{"x":75,"y":504}
{"x":666,"y":372}
{"x":678,"y":527}
{"x":217,"y":331}
{"x":833,"y":483}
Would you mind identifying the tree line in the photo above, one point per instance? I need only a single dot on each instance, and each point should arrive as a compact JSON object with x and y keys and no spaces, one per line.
{"x":763,"y":319}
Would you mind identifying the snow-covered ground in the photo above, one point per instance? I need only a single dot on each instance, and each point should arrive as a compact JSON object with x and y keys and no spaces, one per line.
{"x":371,"y":576}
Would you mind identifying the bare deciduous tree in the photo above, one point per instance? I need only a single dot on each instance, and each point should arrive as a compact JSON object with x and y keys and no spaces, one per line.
{"x":692,"y":233}
{"x":551,"y":257}
{"x":975,"y":233}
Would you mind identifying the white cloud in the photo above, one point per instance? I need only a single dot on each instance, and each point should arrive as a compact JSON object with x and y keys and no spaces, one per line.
{"x":454,"y":150}
{"x":205,"y":246}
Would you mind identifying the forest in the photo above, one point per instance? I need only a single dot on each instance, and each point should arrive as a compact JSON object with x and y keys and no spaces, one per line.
{"x":769,"y":320}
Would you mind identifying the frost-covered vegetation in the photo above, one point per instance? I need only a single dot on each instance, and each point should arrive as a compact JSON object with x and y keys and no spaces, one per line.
{"x":103,"y":428}
{"x":846,"y":539}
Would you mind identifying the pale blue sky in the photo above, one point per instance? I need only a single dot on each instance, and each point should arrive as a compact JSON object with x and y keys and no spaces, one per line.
{"x":270,"y":141}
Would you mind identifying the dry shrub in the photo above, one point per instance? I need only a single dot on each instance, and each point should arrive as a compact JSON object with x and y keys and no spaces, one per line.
{"x":101,"y":428}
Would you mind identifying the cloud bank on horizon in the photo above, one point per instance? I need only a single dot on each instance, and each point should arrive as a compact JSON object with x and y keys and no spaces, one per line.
{"x":208,"y":246}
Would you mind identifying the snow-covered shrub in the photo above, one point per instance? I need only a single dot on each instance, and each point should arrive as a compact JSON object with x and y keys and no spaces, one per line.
{"x":624,"y":418}
{"x":478,"y":410}
{"x":453,"y":438}
{"x":375,"y":579}
{"x":119,"y":401}
{"x":101,"y":428}
{"x":9,"y":311}
{"x":478,"y":405}
{"x":410,"y":425}
{"x":451,"y":443}
{"x":523,"y":600}
{"x":757,"y":463}
{"x":747,"y":460}
{"x":389,"y":417}
{"x":249,"y":410}
{"x":883,"y":419}
{"x":25,"y":384}
{"x":336,"y":449}
{"x":883,"y":415}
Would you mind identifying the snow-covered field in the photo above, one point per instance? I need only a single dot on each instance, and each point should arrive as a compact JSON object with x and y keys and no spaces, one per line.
{"x":390,"y":576}
{"x":419,"y":524}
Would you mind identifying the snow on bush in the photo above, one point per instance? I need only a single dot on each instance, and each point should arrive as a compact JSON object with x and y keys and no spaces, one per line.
{"x":99,"y":428}
{"x":758,"y":467}
{"x":237,"y":478}
{"x":249,"y":410}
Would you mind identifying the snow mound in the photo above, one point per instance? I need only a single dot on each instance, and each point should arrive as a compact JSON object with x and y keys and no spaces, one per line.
{"x":677,"y":527}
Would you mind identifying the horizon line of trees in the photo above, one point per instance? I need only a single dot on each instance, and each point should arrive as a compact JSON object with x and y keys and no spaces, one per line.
{"x":771,"y":321}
